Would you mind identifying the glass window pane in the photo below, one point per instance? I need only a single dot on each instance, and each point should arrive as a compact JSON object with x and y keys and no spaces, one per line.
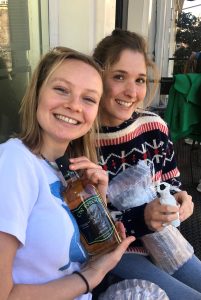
{"x":22,"y":29}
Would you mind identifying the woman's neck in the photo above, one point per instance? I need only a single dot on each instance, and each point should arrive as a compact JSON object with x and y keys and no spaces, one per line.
{"x":51,"y":149}
{"x":51,"y":153}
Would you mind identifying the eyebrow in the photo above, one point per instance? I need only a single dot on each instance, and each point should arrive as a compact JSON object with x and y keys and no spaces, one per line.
{"x":124,"y":72}
{"x":68,"y":82}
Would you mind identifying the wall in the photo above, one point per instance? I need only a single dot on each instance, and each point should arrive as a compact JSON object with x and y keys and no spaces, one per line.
{"x":80,"y":24}
{"x":139,"y":16}
{"x":155,"y":20}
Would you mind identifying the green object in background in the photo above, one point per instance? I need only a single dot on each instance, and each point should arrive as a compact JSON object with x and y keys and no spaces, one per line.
{"x":183,"y":112}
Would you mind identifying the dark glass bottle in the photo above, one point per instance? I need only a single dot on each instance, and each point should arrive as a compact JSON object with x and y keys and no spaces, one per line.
{"x":97,"y":230}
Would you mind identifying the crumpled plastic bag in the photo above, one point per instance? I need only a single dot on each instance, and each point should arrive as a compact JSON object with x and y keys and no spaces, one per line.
{"x":168,"y":248}
{"x":134,"y":289}
{"x":132,"y":187}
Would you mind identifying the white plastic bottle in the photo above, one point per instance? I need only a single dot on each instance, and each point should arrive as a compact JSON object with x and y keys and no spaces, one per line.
{"x":167,"y":198}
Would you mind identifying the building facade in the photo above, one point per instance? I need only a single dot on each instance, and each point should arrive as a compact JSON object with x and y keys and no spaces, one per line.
{"x":29,"y":28}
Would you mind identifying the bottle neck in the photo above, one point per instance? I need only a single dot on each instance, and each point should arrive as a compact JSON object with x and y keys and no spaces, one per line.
{"x":70,"y":175}
{"x":63,"y":165}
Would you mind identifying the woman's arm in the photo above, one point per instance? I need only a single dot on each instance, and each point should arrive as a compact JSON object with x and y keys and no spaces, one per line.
{"x":66,"y":288}
{"x":8,"y":248}
{"x":156,"y":214}
{"x":171,"y":174}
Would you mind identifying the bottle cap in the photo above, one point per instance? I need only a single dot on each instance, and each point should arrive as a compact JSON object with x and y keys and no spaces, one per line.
{"x":63,"y":165}
{"x":63,"y":162}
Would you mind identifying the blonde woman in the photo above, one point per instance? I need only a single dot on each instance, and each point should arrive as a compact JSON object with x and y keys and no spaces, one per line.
{"x":41,"y":256}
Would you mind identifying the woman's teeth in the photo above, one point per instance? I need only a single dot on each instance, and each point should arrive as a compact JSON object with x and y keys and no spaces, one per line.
{"x":124,"y":103}
{"x":67,"y":120}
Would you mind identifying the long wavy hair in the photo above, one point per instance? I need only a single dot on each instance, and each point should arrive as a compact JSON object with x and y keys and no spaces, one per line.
{"x":31,"y":132}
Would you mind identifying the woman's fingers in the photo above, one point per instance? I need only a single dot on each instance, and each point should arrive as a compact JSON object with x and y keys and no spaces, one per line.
{"x":120,"y":229}
{"x":157,"y":214}
{"x":92,"y":172}
{"x":186,"y":204}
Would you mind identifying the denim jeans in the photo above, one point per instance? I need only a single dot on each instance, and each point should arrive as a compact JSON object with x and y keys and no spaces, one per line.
{"x":185,"y":283}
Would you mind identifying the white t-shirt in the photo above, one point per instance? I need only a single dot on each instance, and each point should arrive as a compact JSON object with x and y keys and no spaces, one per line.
{"x":32,"y":209}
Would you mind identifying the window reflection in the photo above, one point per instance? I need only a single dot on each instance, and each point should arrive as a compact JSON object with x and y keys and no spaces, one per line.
{"x":8,"y":102}
{"x":21,"y":45}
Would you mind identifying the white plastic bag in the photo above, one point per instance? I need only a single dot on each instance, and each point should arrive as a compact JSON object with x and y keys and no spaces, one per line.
{"x":168,"y":248}
{"x":134,"y":289}
{"x":132,"y":187}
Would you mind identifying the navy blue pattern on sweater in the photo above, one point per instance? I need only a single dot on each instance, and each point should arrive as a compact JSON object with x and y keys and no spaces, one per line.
{"x":143,"y":137}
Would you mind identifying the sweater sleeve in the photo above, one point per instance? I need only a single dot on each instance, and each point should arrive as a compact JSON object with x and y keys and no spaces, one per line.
{"x":170,"y":172}
{"x":133,"y":220}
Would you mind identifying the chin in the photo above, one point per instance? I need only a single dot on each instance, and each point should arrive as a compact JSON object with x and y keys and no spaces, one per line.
{"x":126,"y":117}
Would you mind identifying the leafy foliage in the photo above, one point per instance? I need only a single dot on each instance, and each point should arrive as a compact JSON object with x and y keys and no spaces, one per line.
{"x":188,"y":39}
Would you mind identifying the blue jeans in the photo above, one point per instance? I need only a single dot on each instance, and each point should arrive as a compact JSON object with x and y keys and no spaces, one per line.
{"x":185,"y":283}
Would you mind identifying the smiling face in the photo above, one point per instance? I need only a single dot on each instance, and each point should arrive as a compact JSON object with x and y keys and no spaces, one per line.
{"x":125,"y":88}
{"x":68,"y":103}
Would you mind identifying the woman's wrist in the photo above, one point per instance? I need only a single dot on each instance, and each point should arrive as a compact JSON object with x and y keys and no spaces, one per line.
{"x":79,"y":274}
{"x":93,"y":276}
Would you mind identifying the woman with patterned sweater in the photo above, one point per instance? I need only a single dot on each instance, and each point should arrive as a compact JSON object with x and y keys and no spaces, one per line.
{"x":129,"y":134}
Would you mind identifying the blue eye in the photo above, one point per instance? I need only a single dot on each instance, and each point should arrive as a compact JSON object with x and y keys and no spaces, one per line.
{"x":61,"y":90}
{"x":90,"y":100}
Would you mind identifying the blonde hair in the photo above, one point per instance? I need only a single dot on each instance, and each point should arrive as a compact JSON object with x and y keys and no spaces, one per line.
{"x":31,"y":132}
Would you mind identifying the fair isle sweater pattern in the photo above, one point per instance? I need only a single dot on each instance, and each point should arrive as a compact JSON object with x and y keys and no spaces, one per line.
{"x":143,"y":137}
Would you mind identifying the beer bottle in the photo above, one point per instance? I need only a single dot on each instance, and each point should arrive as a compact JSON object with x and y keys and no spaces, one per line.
{"x":97,"y":230}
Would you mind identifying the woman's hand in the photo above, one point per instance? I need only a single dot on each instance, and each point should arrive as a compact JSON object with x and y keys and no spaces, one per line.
{"x":67,"y":287}
{"x":157,"y":214}
{"x":93,"y":172}
{"x":186,"y":205}
{"x":96,"y":269}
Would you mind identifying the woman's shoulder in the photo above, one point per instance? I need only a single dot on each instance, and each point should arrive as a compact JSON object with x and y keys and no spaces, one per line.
{"x":151,"y":119}
{"x":12,"y":143}
{"x":142,"y":122}
{"x":14,"y":147}
{"x":14,"y":153}
{"x":149,"y":116}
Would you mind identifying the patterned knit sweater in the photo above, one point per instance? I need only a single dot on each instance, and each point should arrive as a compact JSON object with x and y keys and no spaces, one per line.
{"x":143,"y":137}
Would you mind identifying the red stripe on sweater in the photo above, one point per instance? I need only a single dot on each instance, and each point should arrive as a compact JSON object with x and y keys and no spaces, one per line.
{"x":137,"y":250}
{"x":166,"y":176}
{"x":105,"y":141}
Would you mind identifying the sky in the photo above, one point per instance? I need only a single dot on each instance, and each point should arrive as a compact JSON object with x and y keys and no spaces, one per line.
{"x":196,"y":11}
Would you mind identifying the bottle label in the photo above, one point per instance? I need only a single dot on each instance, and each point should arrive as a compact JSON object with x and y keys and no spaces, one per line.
{"x":93,"y":220}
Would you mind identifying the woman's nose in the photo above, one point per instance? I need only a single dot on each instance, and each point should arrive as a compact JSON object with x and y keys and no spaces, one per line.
{"x":74,"y":104}
{"x":131,"y":90}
